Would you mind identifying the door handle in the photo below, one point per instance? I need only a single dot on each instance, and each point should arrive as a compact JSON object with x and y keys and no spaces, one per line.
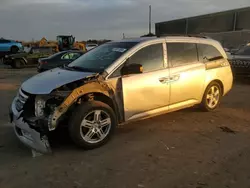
{"x":164,"y":80}
{"x":175,"y":77}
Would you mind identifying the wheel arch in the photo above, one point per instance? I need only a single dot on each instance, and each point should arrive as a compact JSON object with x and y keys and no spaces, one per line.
{"x":102,"y":97}
{"x":14,"y":46}
{"x":93,"y":90}
{"x":219,"y":82}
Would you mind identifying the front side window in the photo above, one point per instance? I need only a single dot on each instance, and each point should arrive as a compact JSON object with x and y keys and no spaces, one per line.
{"x":208,"y":53}
{"x":150,"y":57}
{"x":102,"y":56}
{"x":74,"y":55}
{"x":182,"y":53}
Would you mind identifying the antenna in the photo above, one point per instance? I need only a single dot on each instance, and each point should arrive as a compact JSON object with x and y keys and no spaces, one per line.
{"x":149,"y":19}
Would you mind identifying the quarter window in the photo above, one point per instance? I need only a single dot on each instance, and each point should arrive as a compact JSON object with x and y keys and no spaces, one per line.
{"x":208,"y":53}
{"x":182,"y":53}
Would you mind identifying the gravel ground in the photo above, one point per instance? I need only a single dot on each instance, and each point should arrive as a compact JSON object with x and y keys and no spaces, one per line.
{"x":183,"y":149}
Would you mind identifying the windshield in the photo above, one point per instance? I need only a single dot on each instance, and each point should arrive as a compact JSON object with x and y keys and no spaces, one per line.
{"x":101,"y":57}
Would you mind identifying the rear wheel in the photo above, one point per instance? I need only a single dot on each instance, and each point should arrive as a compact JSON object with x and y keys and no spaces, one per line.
{"x":212,"y":97}
{"x":18,"y":64}
{"x":14,"y":49}
{"x":92,"y":124}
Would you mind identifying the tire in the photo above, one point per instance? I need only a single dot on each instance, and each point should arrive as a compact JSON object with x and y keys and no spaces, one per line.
{"x":79,"y":134}
{"x":14,"y":49}
{"x":12,"y":66}
{"x":18,"y":64}
{"x":212,"y":97}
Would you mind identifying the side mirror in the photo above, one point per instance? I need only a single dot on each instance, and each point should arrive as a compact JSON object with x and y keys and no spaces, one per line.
{"x":131,"y":69}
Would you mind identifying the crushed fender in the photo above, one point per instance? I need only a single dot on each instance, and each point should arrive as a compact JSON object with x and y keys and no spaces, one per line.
{"x":93,"y":86}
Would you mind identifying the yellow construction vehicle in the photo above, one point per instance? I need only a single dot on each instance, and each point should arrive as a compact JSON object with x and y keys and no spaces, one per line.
{"x":45,"y":43}
{"x":64,"y":42}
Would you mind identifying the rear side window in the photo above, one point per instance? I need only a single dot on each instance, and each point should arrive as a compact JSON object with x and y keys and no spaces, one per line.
{"x":208,"y":53}
{"x":182,"y":53}
{"x":66,"y":56}
{"x":2,"y":41}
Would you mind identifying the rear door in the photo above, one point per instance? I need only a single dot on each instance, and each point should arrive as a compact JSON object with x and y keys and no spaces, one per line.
{"x":187,"y":74}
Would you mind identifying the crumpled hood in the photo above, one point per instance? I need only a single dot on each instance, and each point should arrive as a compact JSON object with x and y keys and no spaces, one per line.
{"x":46,"y":82}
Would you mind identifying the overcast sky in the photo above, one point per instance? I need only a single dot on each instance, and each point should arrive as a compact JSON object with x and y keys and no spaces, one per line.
{"x":96,"y":19}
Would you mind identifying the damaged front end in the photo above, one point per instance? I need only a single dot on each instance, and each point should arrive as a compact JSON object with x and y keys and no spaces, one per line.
{"x":31,"y":115}
{"x":35,"y":115}
{"x":30,"y":122}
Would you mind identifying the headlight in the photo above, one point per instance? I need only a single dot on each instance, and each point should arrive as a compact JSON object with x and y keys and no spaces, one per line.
{"x":39,"y":106}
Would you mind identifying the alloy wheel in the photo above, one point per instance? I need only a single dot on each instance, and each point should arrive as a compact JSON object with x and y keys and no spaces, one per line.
{"x":213,"y":96}
{"x":95,"y":126}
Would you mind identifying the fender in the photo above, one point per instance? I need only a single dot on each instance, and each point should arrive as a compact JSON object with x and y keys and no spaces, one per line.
{"x":90,"y":87}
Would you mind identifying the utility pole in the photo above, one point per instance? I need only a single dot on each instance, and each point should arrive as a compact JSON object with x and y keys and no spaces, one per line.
{"x":123,"y":35}
{"x":149,"y":19}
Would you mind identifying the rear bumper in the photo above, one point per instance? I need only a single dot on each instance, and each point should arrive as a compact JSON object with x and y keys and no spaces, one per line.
{"x":27,"y":135}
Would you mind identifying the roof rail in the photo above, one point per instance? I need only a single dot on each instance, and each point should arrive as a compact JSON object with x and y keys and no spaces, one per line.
{"x":188,"y":35}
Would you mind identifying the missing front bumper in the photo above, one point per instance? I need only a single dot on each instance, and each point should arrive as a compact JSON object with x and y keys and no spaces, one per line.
{"x":27,"y":135}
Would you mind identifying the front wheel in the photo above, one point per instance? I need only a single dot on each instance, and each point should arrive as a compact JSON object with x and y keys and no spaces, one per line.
{"x":212,"y":96}
{"x":18,"y":64}
{"x":92,"y":124}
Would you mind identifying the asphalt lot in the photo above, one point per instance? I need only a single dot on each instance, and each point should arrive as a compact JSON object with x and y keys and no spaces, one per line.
{"x":188,"y":148}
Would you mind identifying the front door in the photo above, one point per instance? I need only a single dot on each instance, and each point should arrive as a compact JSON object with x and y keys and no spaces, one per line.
{"x":187,"y":75}
{"x":147,"y":93}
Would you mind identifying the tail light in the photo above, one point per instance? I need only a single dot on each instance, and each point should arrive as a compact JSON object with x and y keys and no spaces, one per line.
{"x":43,"y":62}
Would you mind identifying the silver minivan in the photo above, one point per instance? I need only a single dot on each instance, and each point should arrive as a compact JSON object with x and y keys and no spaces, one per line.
{"x":118,"y":82}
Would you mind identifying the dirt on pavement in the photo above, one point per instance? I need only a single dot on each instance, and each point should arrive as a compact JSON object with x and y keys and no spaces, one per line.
{"x":188,"y":148}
